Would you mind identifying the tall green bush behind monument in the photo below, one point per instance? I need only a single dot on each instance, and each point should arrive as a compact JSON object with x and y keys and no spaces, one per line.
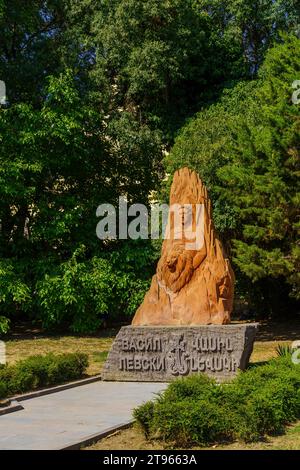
{"x":95,"y":93}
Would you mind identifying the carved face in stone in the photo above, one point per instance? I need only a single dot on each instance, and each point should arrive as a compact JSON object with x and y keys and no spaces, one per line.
{"x":175,"y":269}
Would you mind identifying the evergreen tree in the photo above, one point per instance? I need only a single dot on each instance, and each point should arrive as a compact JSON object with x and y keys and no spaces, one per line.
{"x":262,"y":181}
{"x":246,"y":149}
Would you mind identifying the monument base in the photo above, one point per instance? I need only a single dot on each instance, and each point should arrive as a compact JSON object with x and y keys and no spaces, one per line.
{"x":162,"y":353}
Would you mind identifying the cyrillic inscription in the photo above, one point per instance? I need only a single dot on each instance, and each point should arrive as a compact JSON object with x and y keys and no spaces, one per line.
{"x":177,"y":354}
{"x":164,"y":353}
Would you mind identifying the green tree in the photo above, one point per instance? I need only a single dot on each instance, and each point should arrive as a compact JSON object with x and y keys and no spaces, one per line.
{"x":203,"y":145}
{"x":262,"y":181}
{"x":246,"y":149}
{"x":96,"y":91}
{"x":259,"y":24}
{"x":158,"y":59}
{"x":58,"y":163}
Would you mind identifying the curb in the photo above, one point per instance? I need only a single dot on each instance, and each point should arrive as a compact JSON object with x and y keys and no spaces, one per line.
{"x":57,"y":388}
{"x":96,"y":437}
{"x":13,"y":406}
{"x":16,"y":406}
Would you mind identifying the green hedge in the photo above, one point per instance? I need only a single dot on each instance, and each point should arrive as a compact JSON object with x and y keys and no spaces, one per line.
{"x":198,"y":411}
{"x":41,"y":371}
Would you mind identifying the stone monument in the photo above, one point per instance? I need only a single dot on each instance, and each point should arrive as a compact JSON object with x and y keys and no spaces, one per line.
{"x":182,"y":326}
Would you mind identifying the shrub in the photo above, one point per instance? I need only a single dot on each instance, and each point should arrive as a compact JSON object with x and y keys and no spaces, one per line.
{"x":197,"y":421}
{"x":144,"y":415}
{"x":14,"y":293}
{"x":195,"y":386}
{"x":3,"y":390}
{"x":283,"y":350}
{"x":82,"y":293}
{"x":197,"y":410}
{"x":41,"y":371}
{"x":4,"y":324}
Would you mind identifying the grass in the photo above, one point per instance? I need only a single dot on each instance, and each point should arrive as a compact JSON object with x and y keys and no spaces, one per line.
{"x":263,"y":351}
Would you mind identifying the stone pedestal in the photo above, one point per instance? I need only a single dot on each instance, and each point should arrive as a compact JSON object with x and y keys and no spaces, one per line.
{"x":160,"y":354}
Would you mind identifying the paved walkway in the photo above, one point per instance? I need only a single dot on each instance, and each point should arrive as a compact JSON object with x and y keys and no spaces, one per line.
{"x":60,"y":419}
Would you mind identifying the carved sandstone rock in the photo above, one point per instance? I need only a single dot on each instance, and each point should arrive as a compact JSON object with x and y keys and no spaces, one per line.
{"x":194,"y":282}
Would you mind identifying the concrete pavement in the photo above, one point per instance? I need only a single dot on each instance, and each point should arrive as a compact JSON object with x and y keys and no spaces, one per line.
{"x":59,"y":420}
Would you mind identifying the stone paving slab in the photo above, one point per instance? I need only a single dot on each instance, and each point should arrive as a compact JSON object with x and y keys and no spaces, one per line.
{"x":53,"y":421}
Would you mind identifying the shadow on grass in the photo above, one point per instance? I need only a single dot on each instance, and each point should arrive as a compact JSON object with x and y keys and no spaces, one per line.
{"x":278,"y":331}
{"x":26,"y":330}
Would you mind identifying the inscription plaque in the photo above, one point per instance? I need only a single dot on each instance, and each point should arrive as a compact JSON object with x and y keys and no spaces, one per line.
{"x":146,"y":353}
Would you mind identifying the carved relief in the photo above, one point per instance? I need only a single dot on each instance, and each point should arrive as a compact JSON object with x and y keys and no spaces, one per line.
{"x":177,"y":355}
{"x":192,"y":286}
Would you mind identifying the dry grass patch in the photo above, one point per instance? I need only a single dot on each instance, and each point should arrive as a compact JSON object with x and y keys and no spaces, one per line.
{"x":263,"y":351}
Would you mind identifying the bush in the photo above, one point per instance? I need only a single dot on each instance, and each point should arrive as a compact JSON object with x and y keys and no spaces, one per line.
{"x":144,"y":415}
{"x":14,"y":293}
{"x":3,"y":390}
{"x":82,"y":293}
{"x":4,"y":324}
{"x":198,"y":411}
{"x":41,"y":371}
